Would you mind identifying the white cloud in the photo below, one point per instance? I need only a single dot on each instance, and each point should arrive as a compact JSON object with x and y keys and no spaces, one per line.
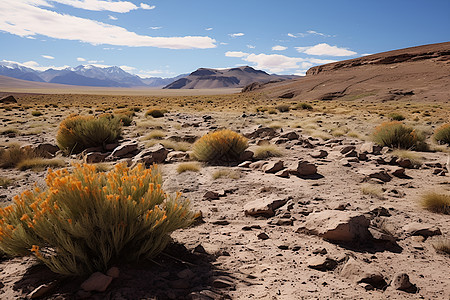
{"x":273,"y":62}
{"x":235,"y":54}
{"x":146,"y":6}
{"x":251,"y":47}
{"x":155,"y":27}
{"x":112,"y":18}
{"x":278,"y":48}
{"x":325,"y":49}
{"x":95,"y":61}
{"x":318,"y":33}
{"x":47,"y":56}
{"x":97,"y":5}
{"x":209,"y":28}
{"x":154,"y":73}
{"x":233,"y":35}
{"x":24,"y":19}
{"x":35,"y":66}
{"x":297,"y":35}
{"x":300,"y":72}
{"x":127,"y":68}
{"x":81,"y":59}
{"x":222,"y":43}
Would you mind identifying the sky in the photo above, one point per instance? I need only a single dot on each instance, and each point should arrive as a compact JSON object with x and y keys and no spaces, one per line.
{"x":165,"y":38}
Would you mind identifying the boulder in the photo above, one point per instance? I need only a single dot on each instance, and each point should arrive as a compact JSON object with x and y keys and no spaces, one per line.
{"x":362,"y":273}
{"x":338,"y":226}
{"x":305,"y":168}
{"x":94,"y":157}
{"x":8,"y":99}
{"x":98,"y":282}
{"x":421,"y":229}
{"x":153,"y":155}
{"x":401,"y":282}
{"x":292,"y":135}
{"x":371,"y":148}
{"x":322,"y":263}
{"x":125,"y":149}
{"x":347,"y":149}
{"x":380,"y":174}
{"x":273,"y":167}
{"x":405,"y":163}
{"x":264,"y":207}
{"x":319,"y":154}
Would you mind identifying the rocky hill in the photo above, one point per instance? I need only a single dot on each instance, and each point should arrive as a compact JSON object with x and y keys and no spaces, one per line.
{"x":420,"y":73}
{"x":204,"y":78}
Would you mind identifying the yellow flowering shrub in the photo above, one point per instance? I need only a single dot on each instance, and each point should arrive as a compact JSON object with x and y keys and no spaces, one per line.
{"x":396,"y":135}
{"x":86,"y":220}
{"x":219,"y":146}
{"x":77,"y":133}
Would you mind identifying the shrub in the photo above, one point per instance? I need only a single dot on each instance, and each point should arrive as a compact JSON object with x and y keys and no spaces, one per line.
{"x":155,"y":113}
{"x":14,"y":155}
{"x":36,"y":113}
{"x":438,"y":203}
{"x":396,"y":117}
{"x":396,"y":135}
{"x":126,"y":119}
{"x":283,"y":107}
{"x":442,"y":134}
{"x":77,"y":133}
{"x":220,"y":146}
{"x":372,"y":191}
{"x":266,"y":151}
{"x":5,"y":182}
{"x":415,"y":158}
{"x":304,"y":106}
{"x":189,"y":166}
{"x":87,"y":220}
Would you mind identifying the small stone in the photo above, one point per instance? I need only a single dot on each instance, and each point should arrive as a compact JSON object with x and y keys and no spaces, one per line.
{"x":221,"y":222}
{"x":283,"y":173}
{"x":98,"y":282}
{"x":319,"y":154}
{"x":221,"y":283}
{"x":245,"y":164}
{"x":210,"y":195}
{"x":114,"y":272}
{"x":124,"y":149}
{"x":264,"y":207}
{"x":186,"y":273}
{"x":401,"y":282}
{"x":347,"y":149}
{"x":290,"y":135}
{"x":405,"y":163}
{"x":305,"y":168}
{"x":421,"y":229}
{"x":246,"y":155}
{"x":273,"y":167}
{"x":322,"y":251}
{"x":263,"y":236}
{"x":42,"y":290}
{"x":95,"y":157}
{"x":322,"y":263}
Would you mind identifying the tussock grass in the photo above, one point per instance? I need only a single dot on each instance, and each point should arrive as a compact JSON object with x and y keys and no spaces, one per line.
{"x":39,"y":163}
{"x":435,"y":202}
{"x":14,"y":155}
{"x":396,"y":135}
{"x":442,"y":134}
{"x":5,"y":182}
{"x":441,"y":245}
{"x":155,"y":113}
{"x":303,"y":105}
{"x":283,"y":108}
{"x":188,"y":166}
{"x":396,"y":116}
{"x":226,"y":173}
{"x":372,"y":191}
{"x":415,"y":158}
{"x":155,"y":135}
{"x":266,"y":151}
{"x":169,"y":144}
{"x":36,"y":113}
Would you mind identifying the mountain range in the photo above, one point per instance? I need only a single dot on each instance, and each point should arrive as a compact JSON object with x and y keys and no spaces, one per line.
{"x":84,"y":75}
{"x":204,"y":78}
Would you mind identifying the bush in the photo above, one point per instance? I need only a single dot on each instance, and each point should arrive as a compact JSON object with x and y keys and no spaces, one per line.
{"x":439,"y":203}
{"x":396,"y":117}
{"x":396,"y":135}
{"x":87,"y":220}
{"x":36,"y":113}
{"x":14,"y":155}
{"x":442,"y":134}
{"x":155,"y":113}
{"x":304,"y":106}
{"x":220,"y":146}
{"x":283,"y":107}
{"x":77,"y":133}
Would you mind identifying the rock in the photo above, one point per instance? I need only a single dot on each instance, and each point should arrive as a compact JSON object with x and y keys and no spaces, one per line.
{"x":370,"y":148}
{"x":362,"y":156}
{"x":263,"y":236}
{"x":351,"y":153}
{"x":222,"y":282}
{"x":42,"y":290}
{"x":98,"y":282}
{"x":176,"y":156}
{"x":111,"y":147}
{"x":339,"y":226}
{"x":292,"y":135}
{"x":245,"y":164}
{"x":398,"y":172}
{"x":46,"y":150}
{"x":125,"y":149}
{"x":257,"y":165}
{"x":319,"y":154}
{"x":261,"y":133}
{"x":283,"y":174}
{"x":377,"y":174}
{"x":405,"y":163}
{"x":305,"y":168}
{"x":155,"y":154}
{"x":421,"y":229}
{"x":322,"y":251}
{"x":362,"y":273}
{"x":273,"y":167}
{"x":8,"y":99}
{"x":279,"y":140}
{"x":246,"y":155}
{"x":94,"y":157}
{"x":186,"y":273}
{"x":264,"y":207}
{"x":114,"y":272}
{"x":210,"y":195}
{"x":322,"y":263}
{"x":379,"y":211}
{"x":379,"y":235}
{"x":347,"y":149}
{"x":401,"y":282}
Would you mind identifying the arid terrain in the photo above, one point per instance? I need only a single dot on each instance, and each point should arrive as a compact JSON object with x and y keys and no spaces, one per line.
{"x":327,"y":215}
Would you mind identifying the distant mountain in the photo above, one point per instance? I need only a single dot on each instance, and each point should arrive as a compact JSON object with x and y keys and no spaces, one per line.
{"x":84,"y":75}
{"x":204,"y":78}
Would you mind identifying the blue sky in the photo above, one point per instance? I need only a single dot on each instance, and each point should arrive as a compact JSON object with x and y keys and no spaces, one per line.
{"x":169,"y":37}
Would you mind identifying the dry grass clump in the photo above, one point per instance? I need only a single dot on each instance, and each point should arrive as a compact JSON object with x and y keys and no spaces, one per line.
{"x":85,"y":221}
{"x":219,"y":146}
{"x":155,"y":113}
{"x":435,"y":202}
{"x":283,"y":108}
{"x":303,"y":105}
{"x":396,"y":116}
{"x":77,"y":133}
{"x":415,"y":158}
{"x":14,"y":155}
{"x":155,"y":135}
{"x":39,"y":163}
{"x":441,"y":245}
{"x":372,"y":191}
{"x":396,"y":135}
{"x":188,"y":166}
{"x":442,"y":134}
{"x":226,"y":173}
{"x":5,"y":182}
{"x":266,"y":151}
{"x":36,"y":113}
{"x":169,"y":144}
